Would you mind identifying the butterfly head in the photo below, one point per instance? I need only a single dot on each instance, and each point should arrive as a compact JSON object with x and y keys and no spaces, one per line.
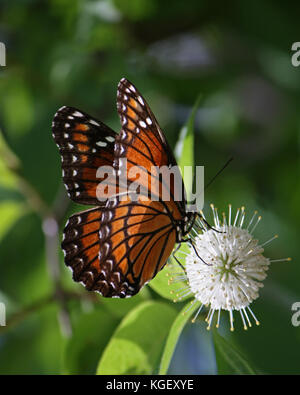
{"x":185,"y":225}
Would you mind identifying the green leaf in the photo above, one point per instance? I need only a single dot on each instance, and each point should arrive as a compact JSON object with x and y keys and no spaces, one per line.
{"x":120,"y":307}
{"x":90,"y":336}
{"x":135,"y":10}
{"x":10,"y":212}
{"x":176,"y":329}
{"x":7,"y":161}
{"x":229,"y":359}
{"x":18,"y":96}
{"x":137,"y":343}
{"x":184,"y":150}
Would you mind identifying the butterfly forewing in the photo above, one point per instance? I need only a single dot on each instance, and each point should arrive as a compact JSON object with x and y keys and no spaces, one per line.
{"x":143,"y":145}
{"x":85,"y":144}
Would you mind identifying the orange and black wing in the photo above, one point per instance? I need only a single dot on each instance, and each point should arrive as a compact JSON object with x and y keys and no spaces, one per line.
{"x":116,"y":249}
{"x":142,"y":144}
{"x":139,"y":238}
{"x":85,"y":144}
{"x":142,"y":232}
{"x":81,"y":245}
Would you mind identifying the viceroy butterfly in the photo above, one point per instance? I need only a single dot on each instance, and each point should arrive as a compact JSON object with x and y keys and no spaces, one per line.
{"x":118,"y":246}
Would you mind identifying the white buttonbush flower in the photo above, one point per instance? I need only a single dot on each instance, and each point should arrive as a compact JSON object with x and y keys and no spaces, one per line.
{"x":225,"y":267}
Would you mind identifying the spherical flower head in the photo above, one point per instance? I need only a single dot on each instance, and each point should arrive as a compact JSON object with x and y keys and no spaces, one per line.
{"x":225,"y":267}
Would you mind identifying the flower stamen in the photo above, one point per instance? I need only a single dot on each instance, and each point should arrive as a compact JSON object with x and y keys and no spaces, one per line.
{"x":235,"y":268}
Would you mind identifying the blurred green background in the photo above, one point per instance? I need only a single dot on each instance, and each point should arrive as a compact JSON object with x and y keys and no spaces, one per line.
{"x":64,"y":52}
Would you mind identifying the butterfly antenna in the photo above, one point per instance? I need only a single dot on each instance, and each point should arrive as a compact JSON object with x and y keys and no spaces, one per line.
{"x":206,"y":186}
{"x":190,"y":240}
{"x":219,"y":172}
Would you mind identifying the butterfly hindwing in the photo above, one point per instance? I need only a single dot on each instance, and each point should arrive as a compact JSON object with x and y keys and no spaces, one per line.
{"x":117,"y":248}
{"x":86,"y":251}
{"x":136,"y":238}
{"x":85,"y":144}
{"x":81,"y":244}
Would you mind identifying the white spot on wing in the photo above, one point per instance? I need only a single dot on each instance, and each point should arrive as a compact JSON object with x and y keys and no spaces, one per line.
{"x":110,"y":139}
{"x":140,"y":99}
{"x":132,"y":88}
{"x":93,"y":122}
{"x":122,"y":150}
{"x":61,"y":108}
{"x":77,"y":114}
{"x":101,"y":143}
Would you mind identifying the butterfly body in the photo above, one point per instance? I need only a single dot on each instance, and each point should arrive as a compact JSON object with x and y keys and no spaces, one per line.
{"x":122,"y":243}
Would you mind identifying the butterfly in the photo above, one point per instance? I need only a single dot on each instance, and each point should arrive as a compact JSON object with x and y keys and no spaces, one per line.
{"x":120,"y":244}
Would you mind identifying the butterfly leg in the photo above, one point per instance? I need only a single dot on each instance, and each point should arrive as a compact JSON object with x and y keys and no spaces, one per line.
{"x":175,"y":257}
{"x":189,"y":240}
{"x":207,"y":224}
